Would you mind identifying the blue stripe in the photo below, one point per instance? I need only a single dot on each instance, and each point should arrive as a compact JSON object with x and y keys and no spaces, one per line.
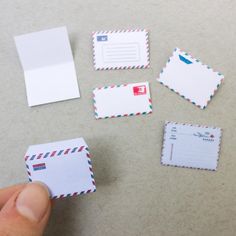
{"x":46,"y":155}
{"x":59,"y":153}
{"x":32,"y":158}
{"x":185,"y":60}
{"x":39,"y":168}
{"x":74,"y":149}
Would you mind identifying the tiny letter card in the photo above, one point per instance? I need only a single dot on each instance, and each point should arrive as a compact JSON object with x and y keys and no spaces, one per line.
{"x":121,"y":49}
{"x":191,"y":146}
{"x":64,"y":166}
{"x":48,"y":66}
{"x":122,"y":100}
{"x":190,"y":78}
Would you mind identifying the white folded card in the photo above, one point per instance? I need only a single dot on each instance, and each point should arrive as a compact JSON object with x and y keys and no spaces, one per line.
{"x":122,"y":100}
{"x":48,"y":66}
{"x":191,"y":146}
{"x":120,"y":49}
{"x":64,"y":166}
{"x":190,"y":78}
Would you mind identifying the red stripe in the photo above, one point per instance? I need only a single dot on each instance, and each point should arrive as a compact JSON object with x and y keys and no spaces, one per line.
{"x":81,"y":148}
{"x":29,"y":173}
{"x":40,"y":155}
{"x":26,"y":158}
{"x":67,"y":151}
{"x":38,"y":165}
{"x":88,"y":155}
{"x":53,"y":153}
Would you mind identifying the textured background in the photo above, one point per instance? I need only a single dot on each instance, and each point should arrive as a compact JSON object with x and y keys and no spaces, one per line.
{"x":136,"y":195}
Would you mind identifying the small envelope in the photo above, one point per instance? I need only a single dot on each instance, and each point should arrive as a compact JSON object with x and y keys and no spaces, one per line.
{"x":121,"y":49}
{"x":48,"y":66}
{"x":190,"y":78}
{"x":65,"y":167}
{"x":122,"y":100}
{"x":191,"y":146}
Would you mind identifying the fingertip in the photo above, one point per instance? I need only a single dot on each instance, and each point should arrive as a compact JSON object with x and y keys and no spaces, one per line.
{"x":33,"y":201}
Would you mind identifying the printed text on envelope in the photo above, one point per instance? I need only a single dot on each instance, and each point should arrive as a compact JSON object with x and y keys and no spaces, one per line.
{"x":122,"y":52}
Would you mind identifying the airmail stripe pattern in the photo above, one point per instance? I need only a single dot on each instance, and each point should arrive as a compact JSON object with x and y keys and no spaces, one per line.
{"x":188,"y":62}
{"x":55,"y":153}
{"x":104,"y":37}
{"x":118,"y":86}
{"x":59,"y":154}
{"x":92,"y":179}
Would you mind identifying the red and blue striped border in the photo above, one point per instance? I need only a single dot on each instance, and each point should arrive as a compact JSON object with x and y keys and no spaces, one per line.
{"x":64,"y":152}
{"x":54,"y":153}
{"x":201,"y":126}
{"x":186,"y":98}
{"x":122,"y":67}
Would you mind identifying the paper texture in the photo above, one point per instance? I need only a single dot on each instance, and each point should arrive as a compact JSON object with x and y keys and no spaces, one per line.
{"x":65,"y":167}
{"x":48,"y":66}
{"x":122,"y":100}
{"x":190,"y":78}
{"x":121,"y":49}
{"x":191,"y":146}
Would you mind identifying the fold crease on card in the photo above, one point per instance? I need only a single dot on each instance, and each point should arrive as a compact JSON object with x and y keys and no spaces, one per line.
{"x":191,"y":146}
{"x":64,"y":166}
{"x":121,"y":49}
{"x":48,"y":66}
{"x":122,"y":100}
{"x":190,"y":78}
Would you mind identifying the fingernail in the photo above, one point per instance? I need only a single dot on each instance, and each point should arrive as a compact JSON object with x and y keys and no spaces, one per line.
{"x":33,"y":201}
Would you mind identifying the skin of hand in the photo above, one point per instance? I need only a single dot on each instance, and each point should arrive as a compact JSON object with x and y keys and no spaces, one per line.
{"x":24,"y":209}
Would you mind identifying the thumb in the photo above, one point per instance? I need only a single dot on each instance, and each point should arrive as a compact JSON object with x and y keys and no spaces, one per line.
{"x":26,"y":212}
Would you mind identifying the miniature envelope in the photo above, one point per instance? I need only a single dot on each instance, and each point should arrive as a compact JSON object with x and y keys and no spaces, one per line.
{"x":191,"y":146}
{"x":48,"y":66}
{"x":121,"y":49}
{"x":122,"y":100}
{"x":65,"y":167}
{"x":191,"y":79}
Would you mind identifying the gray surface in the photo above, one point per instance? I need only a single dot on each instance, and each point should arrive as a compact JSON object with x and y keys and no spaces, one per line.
{"x":136,"y":195}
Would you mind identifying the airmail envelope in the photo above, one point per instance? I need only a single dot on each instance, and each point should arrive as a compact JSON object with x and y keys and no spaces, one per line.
{"x":122,"y":100}
{"x":64,"y":166}
{"x":121,"y":49}
{"x":190,"y":78}
{"x":191,"y":146}
{"x":48,"y":66}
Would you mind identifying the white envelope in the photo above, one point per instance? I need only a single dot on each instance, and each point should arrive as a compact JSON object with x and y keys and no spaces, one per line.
{"x":190,"y":78}
{"x":122,"y":100}
{"x":121,"y":49}
{"x":48,"y":66}
{"x":64,"y":166}
{"x":191,"y":146}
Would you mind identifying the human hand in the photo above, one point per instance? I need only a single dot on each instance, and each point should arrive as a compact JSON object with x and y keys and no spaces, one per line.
{"x":24,"y":210}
